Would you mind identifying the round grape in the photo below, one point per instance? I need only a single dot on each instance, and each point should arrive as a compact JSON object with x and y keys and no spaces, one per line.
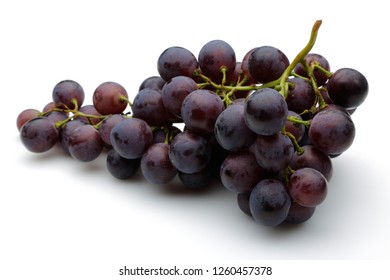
{"x":66,"y":92}
{"x":110,"y":98}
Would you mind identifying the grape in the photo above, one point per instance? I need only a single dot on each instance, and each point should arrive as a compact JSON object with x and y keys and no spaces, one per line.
{"x":200,"y":110}
{"x":245,"y":67}
{"x":319,"y":75}
{"x":67,"y":130}
{"x":273,"y":152}
{"x":174,"y":92}
{"x":231,"y":131}
{"x":347,"y":87}
{"x":84,"y":143}
{"x":197,"y":180}
{"x":110,"y":98}
{"x":243,"y":202}
{"x":332,"y":131}
{"x":90,"y":110}
{"x":131,"y":138}
{"x":120,"y":167}
{"x":153,"y":82}
{"x":57,"y":116}
{"x":65,"y":92}
{"x":165,"y":134}
{"x":240,"y":172}
{"x":156,"y":165}
{"x":148,"y":106}
{"x":269,"y":202}
{"x":215,"y":54}
{"x":106,"y":126}
{"x":190,"y":152}
{"x":265,"y":111}
{"x":297,"y":130}
{"x":25,"y":116}
{"x":314,"y":158}
{"x":300,"y":96}
{"x":176,"y":61}
{"x":307,"y":187}
{"x":39,"y":135}
{"x":299,"y":214}
{"x":267,"y":64}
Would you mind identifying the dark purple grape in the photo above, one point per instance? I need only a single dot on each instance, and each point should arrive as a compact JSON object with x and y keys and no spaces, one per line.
{"x":190,"y":152}
{"x":269,"y":202}
{"x":165,"y":134}
{"x":106,"y":126}
{"x":66,"y":132}
{"x":347,"y":87}
{"x":174,"y":92}
{"x":85,"y":144}
{"x":108,"y":98}
{"x":297,"y":130}
{"x":267,"y":64}
{"x":176,"y":61}
{"x":301,"y":95}
{"x":156,"y":166}
{"x":131,"y":137}
{"x":319,"y":75}
{"x":307,"y":187}
{"x":313,"y":158}
{"x":90,"y":110}
{"x":245,"y":67}
{"x":332,"y":131}
{"x":120,"y":167}
{"x":39,"y":135}
{"x":265,"y":111}
{"x":200,"y":110}
{"x":243,"y":202}
{"x":148,"y":106}
{"x":215,"y":54}
{"x":274,"y":152}
{"x":25,"y":116}
{"x":65,"y":92}
{"x":197,"y":180}
{"x":240,"y":172}
{"x":57,"y":116}
{"x":299,"y":214}
{"x":231,"y":131}
{"x":49,"y":107}
{"x":153,"y":82}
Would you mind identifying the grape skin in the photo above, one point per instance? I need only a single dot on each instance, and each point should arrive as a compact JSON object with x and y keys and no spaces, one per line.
{"x":25,"y":116}
{"x":190,"y":152}
{"x":269,"y":202}
{"x":265,"y":111}
{"x":85,"y":144}
{"x":65,"y":92}
{"x":307,"y":187}
{"x":131,"y":137}
{"x":200,"y":110}
{"x":120,"y":167}
{"x":39,"y":135}
{"x":231,"y":131}
{"x":107,"y":98}
{"x":156,"y":166}
{"x":332,"y":131}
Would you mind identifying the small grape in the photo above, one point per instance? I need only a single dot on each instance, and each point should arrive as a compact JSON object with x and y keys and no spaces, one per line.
{"x":319,"y":75}
{"x":25,"y":116}
{"x":84,"y":143}
{"x":269,"y":203}
{"x":66,"y":92}
{"x":39,"y":135}
{"x":120,"y":167}
{"x":200,"y":110}
{"x":190,"y":152}
{"x":131,"y":138}
{"x":156,"y":166}
{"x":110,"y":98}
{"x":307,"y":187}
{"x":265,"y":111}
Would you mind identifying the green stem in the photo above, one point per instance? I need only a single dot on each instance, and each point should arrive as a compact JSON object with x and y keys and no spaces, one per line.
{"x":283,"y":78}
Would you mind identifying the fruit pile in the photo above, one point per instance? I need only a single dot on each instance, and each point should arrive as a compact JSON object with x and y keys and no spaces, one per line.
{"x":266,"y":127}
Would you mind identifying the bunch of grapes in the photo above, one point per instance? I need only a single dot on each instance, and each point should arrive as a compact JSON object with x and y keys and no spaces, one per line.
{"x":265,"y":126}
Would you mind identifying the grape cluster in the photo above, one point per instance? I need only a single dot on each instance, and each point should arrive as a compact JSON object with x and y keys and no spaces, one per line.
{"x":266,"y":127}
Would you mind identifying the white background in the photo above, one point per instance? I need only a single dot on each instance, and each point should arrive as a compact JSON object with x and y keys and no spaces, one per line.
{"x":62,"y":219}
